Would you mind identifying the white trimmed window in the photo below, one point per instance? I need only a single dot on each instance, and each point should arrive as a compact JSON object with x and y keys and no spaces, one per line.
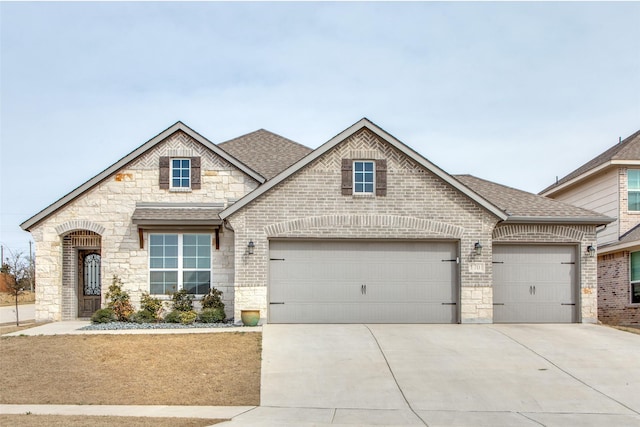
{"x":633,"y":189}
{"x":635,"y":277}
{"x":180,"y":173}
{"x":363,"y":177}
{"x":179,"y":261}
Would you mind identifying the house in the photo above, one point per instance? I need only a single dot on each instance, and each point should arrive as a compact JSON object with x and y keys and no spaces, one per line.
{"x":610,"y":184}
{"x":361,"y":229}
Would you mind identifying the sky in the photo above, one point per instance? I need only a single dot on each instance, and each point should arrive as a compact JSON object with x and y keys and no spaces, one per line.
{"x":513,"y":92}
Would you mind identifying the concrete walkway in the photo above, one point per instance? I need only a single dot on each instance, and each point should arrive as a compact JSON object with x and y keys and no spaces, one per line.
{"x":434,"y":375}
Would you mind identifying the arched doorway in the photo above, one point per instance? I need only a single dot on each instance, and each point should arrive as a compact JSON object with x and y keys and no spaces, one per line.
{"x":89,"y":282}
{"x":82,"y":274}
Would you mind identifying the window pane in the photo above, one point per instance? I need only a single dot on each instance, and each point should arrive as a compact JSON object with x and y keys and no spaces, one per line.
{"x":156,"y":239}
{"x":175,"y":183}
{"x":185,"y":183}
{"x":359,"y":166}
{"x":175,"y":163}
{"x":633,"y":178}
{"x":635,"y":266}
{"x":175,"y":173}
{"x":368,"y":166}
{"x":189,"y":262}
{"x":171,"y":239}
{"x":163,"y":282}
{"x":359,"y":188}
{"x":359,"y":177}
{"x":204,"y":262}
{"x":156,"y":262}
{"x":185,"y":164}
{"x":190,"y":239}
{"x":189,"y":251}
{"x":634,"y":200}
{"x":368,"y":188}
{"x":635,"y":293}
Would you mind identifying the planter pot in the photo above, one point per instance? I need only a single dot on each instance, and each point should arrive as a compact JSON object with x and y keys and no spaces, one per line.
{"x":250,"y":317}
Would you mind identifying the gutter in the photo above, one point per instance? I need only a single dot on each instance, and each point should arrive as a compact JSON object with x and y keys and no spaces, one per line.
{"x":597,"y":221}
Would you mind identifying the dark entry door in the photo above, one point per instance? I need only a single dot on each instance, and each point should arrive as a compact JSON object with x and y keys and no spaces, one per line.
{"x":89,"y":283}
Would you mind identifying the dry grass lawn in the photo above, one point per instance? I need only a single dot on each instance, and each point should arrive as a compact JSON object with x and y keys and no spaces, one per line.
{"x":6,"y":299}
{"x":84,"y":421}
{"x":217,"y":369}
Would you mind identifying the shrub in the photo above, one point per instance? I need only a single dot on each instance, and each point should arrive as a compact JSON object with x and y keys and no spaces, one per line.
{"x":143,"y":316}
{"x":119,"y":300}
{"x":172,"y":317}
{"x":212,"y":315}
{"x":213,"y":299}
{"x":104,"y":315}
{"x":151,"y":305}
{"x":188,"y":317}
{"x":182,"y":301}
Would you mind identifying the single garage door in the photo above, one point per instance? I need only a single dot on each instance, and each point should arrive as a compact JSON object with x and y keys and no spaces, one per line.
{"x":363,"y":282}
{"x":534,"y":284}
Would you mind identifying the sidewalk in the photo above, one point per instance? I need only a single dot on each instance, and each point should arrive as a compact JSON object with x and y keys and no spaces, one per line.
{"x":161,"y":411}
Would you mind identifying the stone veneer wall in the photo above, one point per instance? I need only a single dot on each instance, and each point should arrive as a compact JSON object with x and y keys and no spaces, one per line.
{"x":109,"y":205}
{"x":614,"y":299}
{"x":418,"y":205}
{"x":580,"y":235}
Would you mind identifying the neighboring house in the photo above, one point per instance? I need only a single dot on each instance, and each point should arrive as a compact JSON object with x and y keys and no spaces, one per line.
{"x":361,"y":229}
{"x":610,"y":184}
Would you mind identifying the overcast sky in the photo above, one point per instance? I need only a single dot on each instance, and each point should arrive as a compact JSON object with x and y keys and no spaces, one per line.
{"x":517,"y":93}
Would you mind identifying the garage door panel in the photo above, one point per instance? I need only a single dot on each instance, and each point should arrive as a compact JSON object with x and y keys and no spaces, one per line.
{"x":534,"y":284}
{"x":321,"y":312}
{"x":359,"y":281}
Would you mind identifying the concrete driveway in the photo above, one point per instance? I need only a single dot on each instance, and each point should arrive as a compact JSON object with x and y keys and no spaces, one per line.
{"x":448,"y":375}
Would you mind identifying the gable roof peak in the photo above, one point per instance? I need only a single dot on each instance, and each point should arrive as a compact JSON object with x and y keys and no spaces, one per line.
{"x":141,"y":150}
{"x":343,"y":136}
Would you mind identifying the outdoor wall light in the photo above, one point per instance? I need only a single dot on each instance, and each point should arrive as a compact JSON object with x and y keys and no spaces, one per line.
{"x":591,"y":251}
{"x":250,"y":247}
{"x":477,"y":248}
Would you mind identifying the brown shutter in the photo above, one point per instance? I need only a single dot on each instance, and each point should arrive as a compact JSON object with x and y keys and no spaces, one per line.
{"x":381,"y":177}
{"x":347,"y":177}
{"x":195,"y":173}
{"x":164,"y":173}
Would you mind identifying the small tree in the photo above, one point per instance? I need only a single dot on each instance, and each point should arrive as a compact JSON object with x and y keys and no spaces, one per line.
{"x":17,"y":268}
{"x":119,"y":300}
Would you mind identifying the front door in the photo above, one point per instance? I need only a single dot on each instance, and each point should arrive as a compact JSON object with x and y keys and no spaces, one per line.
{"x":89,"y":282}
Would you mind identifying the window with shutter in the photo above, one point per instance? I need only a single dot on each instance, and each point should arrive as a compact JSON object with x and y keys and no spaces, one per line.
{"x":164,"y":172}
{"x":364,"y":177}
{"x":347,"y":177}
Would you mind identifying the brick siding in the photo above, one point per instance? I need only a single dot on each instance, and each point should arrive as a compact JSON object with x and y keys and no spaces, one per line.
{"x":614,"y":297}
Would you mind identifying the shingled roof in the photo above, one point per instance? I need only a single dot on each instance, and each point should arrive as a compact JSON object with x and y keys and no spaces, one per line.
{"x":522,"y":206}
{"x":626,"y":150}
{"x":265,"y":152}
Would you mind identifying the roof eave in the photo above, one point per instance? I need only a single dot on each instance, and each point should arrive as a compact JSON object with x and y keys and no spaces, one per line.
{"x":550,"y":191}
{"x":324,"y":148}
{"x":617,"y":247}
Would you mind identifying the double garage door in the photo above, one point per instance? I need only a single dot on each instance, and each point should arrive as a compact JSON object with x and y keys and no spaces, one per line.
{"x":414,"y":282}
{"x":534,"y":284}
{"x":363,"y":282}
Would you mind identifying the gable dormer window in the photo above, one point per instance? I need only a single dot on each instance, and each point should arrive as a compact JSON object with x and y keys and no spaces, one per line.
{"x":364,"y":177}
{"x":633,"y":189}
{"x":180,"y":173}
